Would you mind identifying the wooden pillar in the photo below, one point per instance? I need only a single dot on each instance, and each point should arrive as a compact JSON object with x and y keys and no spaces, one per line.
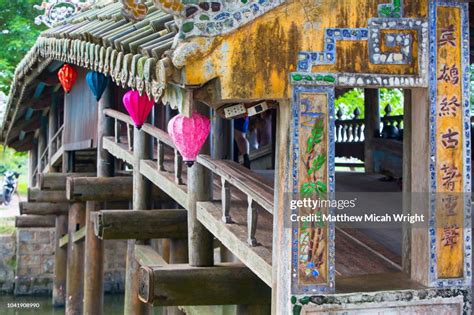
{"x":60,"y":262}
{"x":93,"y":266}
{"x":75,"y":262}
{"x":32,"y":163}
{"x":94,"y":261}
{"x":407,"y":159}
{"x":221,"y":137}
{"x":52,"y":128}
{"x":420,"y":182}
{"x":282,"y":235}
{"x":42,"y":143}
{"x":141,"y":201}
{"x":372,"y":126}
{"x":200,"y":240}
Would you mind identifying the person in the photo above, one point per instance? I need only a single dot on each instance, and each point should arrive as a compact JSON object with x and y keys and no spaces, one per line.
{"x":241,"y":126}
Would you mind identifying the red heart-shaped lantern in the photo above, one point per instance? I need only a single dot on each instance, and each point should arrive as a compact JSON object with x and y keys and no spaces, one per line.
{"x":67,"y":76}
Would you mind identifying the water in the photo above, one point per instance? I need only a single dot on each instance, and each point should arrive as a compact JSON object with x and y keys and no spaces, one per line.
{"x":113,"y":305}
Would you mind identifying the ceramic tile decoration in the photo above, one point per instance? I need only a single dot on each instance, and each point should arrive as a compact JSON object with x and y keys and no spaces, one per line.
{"x":203,"y":18}
{"x":380,"y":32}
{"x":450,"y":210}
{"x":313,"y":169}
{"x":56,"y":11}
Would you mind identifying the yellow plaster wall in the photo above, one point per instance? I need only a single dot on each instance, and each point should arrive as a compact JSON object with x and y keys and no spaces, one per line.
{"x":254,"y":61}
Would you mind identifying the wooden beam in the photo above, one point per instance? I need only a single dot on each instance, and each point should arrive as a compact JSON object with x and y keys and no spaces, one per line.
{"x":43,"y":208}
{"x":35,"y":221}
{"x":147,"y":255}
{"x":99,"y":188}
{"x":108,"y":189}
{"x":79,"y":235}
{"x":57,"y":181}
{"x":140,"y":224}
{"x":53,"y":196}
{"x":63,"y":241}
{"x":181,"y":284}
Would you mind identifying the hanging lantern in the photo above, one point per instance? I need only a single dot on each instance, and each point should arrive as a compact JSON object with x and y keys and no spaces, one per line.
{"x":97,"y":83}
{"x":137,"y":106}
{"x":67,"y":76}
{"x":189,"y":135}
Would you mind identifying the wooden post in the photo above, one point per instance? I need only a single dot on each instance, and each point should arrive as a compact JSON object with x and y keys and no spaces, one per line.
{"x":60,"y":262}
{"x":75,"y":262}
{"x":282,"y":235}
{"x":52,"y":128}
{"x":222,"y":138}
{"x":372,"y":126}
{"x":200,"y":240}
{"x":420,"y":182}
{"x":407,"y":160}
{"x":32,"y":156}
{"x":41,"y":145}
{"x":141,"y":201}
{"x":94,"y":261}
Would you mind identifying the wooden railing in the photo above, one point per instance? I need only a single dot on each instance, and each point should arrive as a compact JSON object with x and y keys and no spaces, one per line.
{"x":56,"y":141}
{"x":53,"y":146}
{"x":349,"y":130}
{"x":231,"y":174}
{"x":349,"y":133}
{"x":162,"y":140}
{"x":243,"y":180}
{"x":119,"y":120}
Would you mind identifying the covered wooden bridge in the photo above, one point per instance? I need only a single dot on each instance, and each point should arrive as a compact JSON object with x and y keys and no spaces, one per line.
{"x":217,"y":233}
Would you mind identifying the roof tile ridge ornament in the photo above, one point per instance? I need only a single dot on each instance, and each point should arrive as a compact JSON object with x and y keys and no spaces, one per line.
{"x":202,"y":18}
{"x":57,"y":11}
{"x":134,"y":10}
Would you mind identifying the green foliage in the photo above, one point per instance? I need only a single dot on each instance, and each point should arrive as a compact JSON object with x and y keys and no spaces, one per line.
{"x":354,"y":98}
{"x":316,"y":135}
{"x":12,"y":160}
{"x":18,"y":33}
{"x":7,"y":225}
{"x":471,"y":98}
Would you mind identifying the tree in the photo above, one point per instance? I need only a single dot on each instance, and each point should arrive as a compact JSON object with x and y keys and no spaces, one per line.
{"x":354,"y":98}
{"x":18,"y":33}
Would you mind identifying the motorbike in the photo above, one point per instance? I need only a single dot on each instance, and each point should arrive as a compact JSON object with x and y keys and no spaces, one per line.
{"x":10,"y":182}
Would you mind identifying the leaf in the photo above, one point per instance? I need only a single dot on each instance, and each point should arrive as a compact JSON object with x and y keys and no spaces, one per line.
{"x":321,"y":187}
{"x":319,"y":162}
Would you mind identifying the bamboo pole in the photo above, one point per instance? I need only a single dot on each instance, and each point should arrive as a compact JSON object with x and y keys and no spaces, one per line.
{"x":75,"y":262}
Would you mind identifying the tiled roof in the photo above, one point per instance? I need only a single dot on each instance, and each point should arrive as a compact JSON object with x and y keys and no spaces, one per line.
{"x":100,"y":39}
